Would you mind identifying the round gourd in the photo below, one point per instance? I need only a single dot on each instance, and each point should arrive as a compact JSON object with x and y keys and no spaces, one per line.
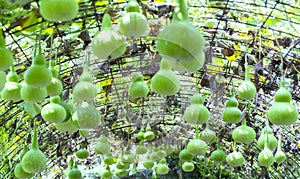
{"x":154,"y":156}
{"x":207,"y":135}
{"x":141,"y":149}
{"x":232,"y":114}
{"x":197,"y":147}
{"x":82,"y":154}
{"x":33,"y":95}
{"x":74,"y":173}
{"x":133,"y":25}
{"x":148,"y":135}
{"x":235,"y":159}
{"x":243,"y":134}
{"x":106,"y":174}
{"x":247,"y":89}
{"x":108,"y":159}
{"x":55,"y":87}
{"x":6,"y":59}
{"x":59,"y":10}
{"x":161,"y":153}
{"x":34,"y":161}
{"x":272,"y":141}
{"x":196,"y":113}
{"x":218,"y":155}
{"x":66,"y":126}
{"x":148,"y":163}
{"x":138,"y":88}
{"x":107,"y":43}
{"x":165,"y":81}
{"x":20,"y":173}
{"x":87,"y":116}
{"x":185,"y":155}
{"x":103,"y":146}
{"x":282,"y":112}
{"x":54,"y":112}
{"x":188,"y":167}
{"x":122,"y":166}
{"x":162,"y":167}
{"x":265,"y":157}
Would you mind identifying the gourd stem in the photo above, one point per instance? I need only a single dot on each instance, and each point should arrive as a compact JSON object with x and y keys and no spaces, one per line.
{"x":244,"y":122}
{"x":234,"y":146}
{"x":71,"y":163}
{"x":2,"y":39}
{"x":106,"y":22}
{"x":182,"y":13}
{"x":34,"y":139}
{"x":267,"y":140}
{"x":164,"y":65}
{"x":82,"y":145}
{"x":132,"y":6}
{"x":218,"y":144}
{"x":279,"y":143}
{"x":12,"y":69}
{"x":247,"y":74}
{"x":197,"y":132}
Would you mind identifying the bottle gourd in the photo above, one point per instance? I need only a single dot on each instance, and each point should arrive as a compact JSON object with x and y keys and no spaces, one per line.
{"x":232,"y":114}
{"x":138,"y":88}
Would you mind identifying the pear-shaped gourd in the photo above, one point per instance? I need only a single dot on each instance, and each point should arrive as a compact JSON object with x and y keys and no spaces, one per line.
{"x":149,"y":135}
{"x":82,"y":153}
{"x":59,"y":10}
{"x":108,"y":159}
{"x":12,"y":89}
{"x":197,"y":147}
{"x":162,"y":168}
{"x":283,"y":112}
{"x":207,"y":135}
{"x":55,"y":87}
{"x":6,"y":56}
{"x":161,"y":152}
{"x":87,"y":116}
{"x":154,"y":156}
{"x":165,"y":81}
{"x":108,"y":44}
{"x":279,"y":155}
{"x":20,"y":173}
{"x":38,"y":75}
{"x":120,"y":173}
{"x":247,"y":89}
{"x":141,"y":149}
{"x":235,"y":159}
{"x":232,"y":114}
{"x":66,"y":126}
{"x":196,"y":113}
{"x":148,"y":163}
{"x":271,"y":144}
{"x":185,"y":155}
{"x":127,"y":157}
{"x":53,"y":112}
{"x":180,"y":41}
{"x":265,"y":157}
{"x":188,"y":166}
{"x":34,"y":161}
{"x":74,"y":173}
{"x":106,"y":174}
{"x":140,"y":134}
{"x":243,"y":134}
{"x":33,"y":95}
{"x":133,"y":24}
{"x":84,"y":90}
{"x":2,"y":79}
{"x":138,"y":88}
{"x":267,"y":129}
{"x":103,"y":145}
{"x":218,"y":155}
{"x":122,"y":166}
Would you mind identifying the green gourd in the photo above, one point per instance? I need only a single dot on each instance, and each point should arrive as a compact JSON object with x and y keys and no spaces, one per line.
{"x":141,"y":149}
{"x":20,"y":173}
{"x":149,"y":135}
{"x":162,"y":168}
{"x":69,"y":107}
{"x":84,"y":90}
{"x":59,"y":10}
{"x":87,"y":116}
{"x":6,"y":56}
{"x":32,"y":94}
{"x":122,"y":166}
{"x":247,"y":89}
{"x":12,"y":89}
{"x":279,"y":155}
{"x":218,"y":155}
{"x":185,"y":155}
{"x":66,"y":126}
{"x":196,"y":113}
{"x":138,"y":88}
{"x":165,"y":81}
{"x":106,"y":174}
{"x":107,"y":43}
{"x":55,"y":88}
{"x":133,"y":24}
{"x":82,"y":153}
{"x":161,"y":152}
{"x":232,"y":114}
{"x":108,"y":159}
{"x":235,"y":158}
{"x":34,"y":161}
{"x":265,"y":157}
{"x":127,"y":157}
{"x":103,"y":145}
{"x":38,"y":75}
{"x":74,"y":173}
{"x":2,"y":79}
{"x":197,"y":147}
{"x":54,"y":112}
{"x":140,"y":134}
{"x":154,"y":156}
{"x":188,"y":166}
{"x":84,"y":132}
{"x":180,"y":41}
{"x":271,"y":144}
{"x":120,"y":173}
{"x":243,"y":134}
{"x":282,"y":112}
{"x":148,"y":163}
{"x":267,"y":129}
{"x":207,"y":135}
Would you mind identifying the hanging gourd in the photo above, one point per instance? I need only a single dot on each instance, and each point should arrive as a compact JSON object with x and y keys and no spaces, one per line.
{"x":103,"y":145}
{"x":271,"y":144}
{"x":197,"y":147}
{"x":33,"y":95}
{"x":267,"y":129}
{"x":127,"y":157}
{"x":185,"y":155}
{"x":86,"y":116}
{"x":12,"y":89}
{"x":218,"y":155}
{"x":282,"y":112}
{"x":148,"y":163}
{"x":243,"y":133}
{"x":38,"y":75}
{"x":74,"y":173}
{"x":148,"y":135}
{"x":6,"y":56}
{"x":107,"y":43}
{"x":34,"y":161}
{"x":55,"y":87}
{"x":2,"y":79}
{"x":59,"y":10}
{"x":141,"y":148}
{"x":84,"y":90}
{"x":122,"y":166}
{"x":235,"y":158}
{"x":108,"y":159}
{"x":207,"y":135}
{"x":120,"y":173}
{"x":66,"y":126}
{"x":54,"y":112}
{"x":196,"y":113}
{"x":82,"y":153}
{"x":138,"y":88}
{"x":232,"y":114}
{"x":106,"y":173}
{"x":140,"y":134}
{"x":18,"y":170}
{"x":279,"y":155}
{"x":188,"y":166}
{"x":162,"y":168}
{"x":247,"y":89}
{"x":165,"y":82}
{"x":133,"y":24}
{"x":181,"y":43}
{"x":265,"y":157}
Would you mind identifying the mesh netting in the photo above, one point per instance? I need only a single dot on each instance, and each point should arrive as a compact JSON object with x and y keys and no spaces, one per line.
{"x":264,"y":31}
